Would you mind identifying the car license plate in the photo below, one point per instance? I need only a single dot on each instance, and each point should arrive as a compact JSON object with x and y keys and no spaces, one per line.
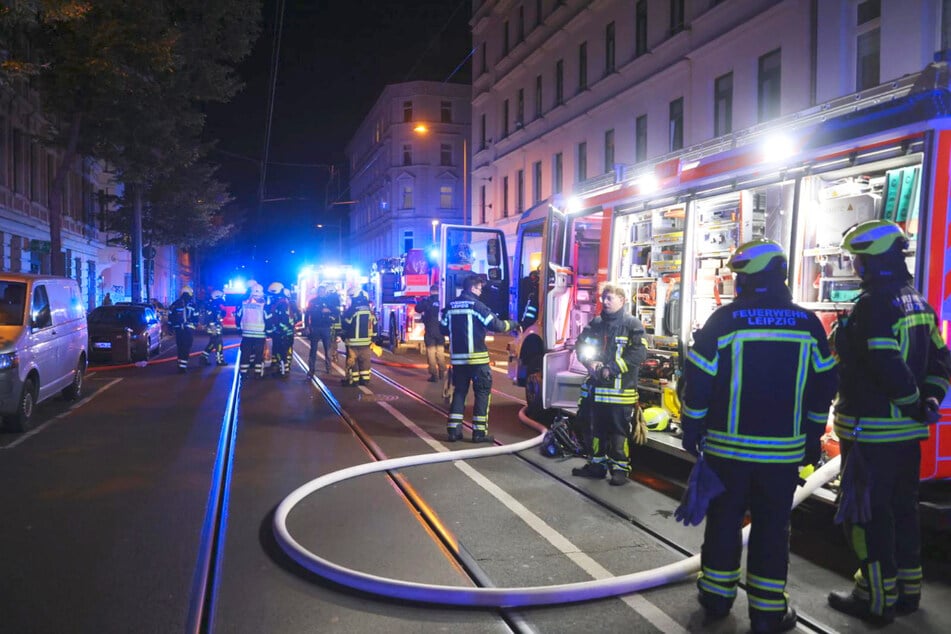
{"x":102,"y":345}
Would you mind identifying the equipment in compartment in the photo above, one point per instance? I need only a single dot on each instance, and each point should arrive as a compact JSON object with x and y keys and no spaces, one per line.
{"x":844,"y":203}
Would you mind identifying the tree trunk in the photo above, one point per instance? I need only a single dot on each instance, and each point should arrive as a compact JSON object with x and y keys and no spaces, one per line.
{"x":136,"y":243}
{"x":58,"y":196}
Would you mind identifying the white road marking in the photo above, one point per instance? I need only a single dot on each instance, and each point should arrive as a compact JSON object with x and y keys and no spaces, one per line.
{"x":37,"y":430}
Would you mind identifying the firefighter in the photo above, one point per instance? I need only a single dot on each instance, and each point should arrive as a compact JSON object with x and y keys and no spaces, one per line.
{"x":183,"y":317}
{"x":321,"y":316}
{"x":530,"y":314}
{"x":359,"y":325}
{"x":249,"y":317}
{"x":759,"y":381}
{"x":435,"y":341}
{"x":466,"y":320}
{"x":894,"y":371}
{"x":611,"y":347}
{"x":214,"y":313}
{"x":280,"y":328}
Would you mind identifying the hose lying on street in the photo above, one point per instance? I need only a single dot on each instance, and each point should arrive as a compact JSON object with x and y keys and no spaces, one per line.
{"x":478,"y":596}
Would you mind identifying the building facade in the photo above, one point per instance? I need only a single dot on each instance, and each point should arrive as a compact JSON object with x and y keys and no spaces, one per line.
{"x":567,"y":95}
{"x":408,"y":169}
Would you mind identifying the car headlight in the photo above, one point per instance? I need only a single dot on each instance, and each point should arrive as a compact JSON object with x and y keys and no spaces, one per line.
{"x":9,"y":360}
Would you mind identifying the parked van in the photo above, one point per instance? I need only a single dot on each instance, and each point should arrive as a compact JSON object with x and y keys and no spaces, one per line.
{"x":43,"y":341}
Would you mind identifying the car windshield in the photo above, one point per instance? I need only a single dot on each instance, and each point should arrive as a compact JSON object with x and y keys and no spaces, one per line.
{"x":125,"y":318}
{"x":11,"y":303}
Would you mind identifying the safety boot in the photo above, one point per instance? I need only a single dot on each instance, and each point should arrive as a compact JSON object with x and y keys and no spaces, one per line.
{"x":454,"y":434}
{"x":618,"y":478}
{"x":590,"y":470}
{"x":907,"y":604}
{"x":848,"y":603}
{"x":481,"y":436}
{"x":785,"y":624}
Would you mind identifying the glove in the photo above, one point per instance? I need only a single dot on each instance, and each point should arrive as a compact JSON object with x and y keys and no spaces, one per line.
{"x":640,"y":426}
{"x":692,"y":438}
{"x":605,"y":374}
{"x":928,"y":411}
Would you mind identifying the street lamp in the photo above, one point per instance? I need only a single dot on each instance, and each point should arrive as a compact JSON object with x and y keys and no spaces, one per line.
{"x":435,"y":224}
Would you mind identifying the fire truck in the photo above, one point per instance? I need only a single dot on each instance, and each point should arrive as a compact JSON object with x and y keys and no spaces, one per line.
{"x":665,"y":229}
{"x":337,"y":279}
{"x":394,"y":286}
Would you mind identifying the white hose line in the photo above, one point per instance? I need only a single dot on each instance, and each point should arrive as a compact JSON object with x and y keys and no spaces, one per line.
{"x":485,"y":597}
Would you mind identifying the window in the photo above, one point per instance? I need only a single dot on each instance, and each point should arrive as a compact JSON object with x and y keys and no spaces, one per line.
{"x":505,"y":118}
{"x":538,"y":96}
{"x":723,"y":105}
{"x":676,"y":16}
{"x":675,"y":129}
{"x":482,"y":131}
{"x":640,"y":28}
{"x":609,"y":66}
{"x":536,"y":182}
{"x":520,"y":25}
{"x":482,"y":204}
{"x":445,"y":111}
{"x":485,"y":61}
{"x":407,"y":240}
{"x":640,"y":139}
{"x":520,"y":191}
{"x":582,"y":66}
{"x":505,"y":196}
{"x":445,"y":196}
{"x":505,"y":38}
{"x":557,"y":173}
{"x":445,"y":154}
{"x":40,"y":313}
{"x":538,"y":12}
{"x":407,"y":154}
{"x":520,"y":108}
{"x":608,"y":151}
{"x":768,"y":88}
{"x":559,"y":82}
{"x":582,"y":164}
{"x":868,"y":44}
{"x":407,"y":111}
{"x":406,"y":201}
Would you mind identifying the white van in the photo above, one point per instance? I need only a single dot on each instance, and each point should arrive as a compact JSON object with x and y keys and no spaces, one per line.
{"x":42,"y":343}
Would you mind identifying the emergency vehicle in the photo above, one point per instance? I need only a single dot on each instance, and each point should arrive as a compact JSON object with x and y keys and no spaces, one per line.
{"x":337,"y":279}
{"x":395,"y":285}
{"x":464,"y":250}
{"x":664,"y":230}
{"x":235,"y":292}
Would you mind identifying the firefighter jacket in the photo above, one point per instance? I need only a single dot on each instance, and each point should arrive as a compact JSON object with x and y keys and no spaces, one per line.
{"x":466,"y":320}
{"x":616,"y":342}
{"x":321,"y":314}
{"x":359,"y":324}
{"x":530,"y":315}
{"x":183,"y":314}
{"x":214,"y":312}
{"x":428,"y":308}
{"x":249,"y":317}
{"x":760,"y":379}
{"x":278,"y":320}
{"x":892,"y":357}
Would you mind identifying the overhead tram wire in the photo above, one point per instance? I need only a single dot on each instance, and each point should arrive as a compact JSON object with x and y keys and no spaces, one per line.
{"x":269,"y":117}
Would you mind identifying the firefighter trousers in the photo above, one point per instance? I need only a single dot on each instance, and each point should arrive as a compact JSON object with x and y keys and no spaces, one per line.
{"x":183,"y":345}
{"x":358,"y":364}
{"x":252,"y":355}
{"x":607,"y":433}
{"x":481,"y":378}
{"x":767,"y":491}
{"x":888,"y":546}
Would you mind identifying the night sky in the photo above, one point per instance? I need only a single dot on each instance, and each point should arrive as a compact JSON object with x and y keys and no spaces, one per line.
{"x":335,"y":59}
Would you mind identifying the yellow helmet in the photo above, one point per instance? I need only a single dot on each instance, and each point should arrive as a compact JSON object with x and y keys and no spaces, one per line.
{"x":656,"y":418}
{"x":275,"y":288}
{"x":757,"y":256}
{"x":188,"y":290}
{"x":874,"y":237}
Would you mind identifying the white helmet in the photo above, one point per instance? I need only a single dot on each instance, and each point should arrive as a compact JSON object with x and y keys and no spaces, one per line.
{"x":275,"y":288}
{"x":257,"y":291}
{"x":187,"y":290}
{"x":217,"y":294}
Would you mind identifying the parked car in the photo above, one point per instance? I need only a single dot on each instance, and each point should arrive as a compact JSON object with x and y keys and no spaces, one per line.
{"x":42,"y":343}
{"x":124,"y":332}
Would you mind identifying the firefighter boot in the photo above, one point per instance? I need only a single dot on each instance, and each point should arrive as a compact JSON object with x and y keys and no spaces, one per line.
{"x":454,"y":434}
{"x":852,"y":605}
{"x":590,"y":470}
{"x":618,"y":478}
{"x":481,"y":436}
{"x":785,"y":624}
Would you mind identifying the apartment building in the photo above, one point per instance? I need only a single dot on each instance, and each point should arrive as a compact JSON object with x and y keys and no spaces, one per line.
{"x":408,"y":169}
{"x":569,"y":95}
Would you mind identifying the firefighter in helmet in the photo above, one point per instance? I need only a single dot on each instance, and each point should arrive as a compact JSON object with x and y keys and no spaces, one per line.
{"x":359,"y":325}
{"x":280,"y":328}
{"x":759,"y":381}
{"x":466,"y":320}
{"x":214,"y":312}
{"x":894,"y":369}
{"x":250,"y":318}
{"x":183,"y":317}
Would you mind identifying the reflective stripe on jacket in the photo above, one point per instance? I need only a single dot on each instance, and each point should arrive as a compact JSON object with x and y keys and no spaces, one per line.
{"x":467,"y":320}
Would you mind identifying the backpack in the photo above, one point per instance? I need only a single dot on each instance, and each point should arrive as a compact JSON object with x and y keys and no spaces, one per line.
{"x":560,"y":440}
